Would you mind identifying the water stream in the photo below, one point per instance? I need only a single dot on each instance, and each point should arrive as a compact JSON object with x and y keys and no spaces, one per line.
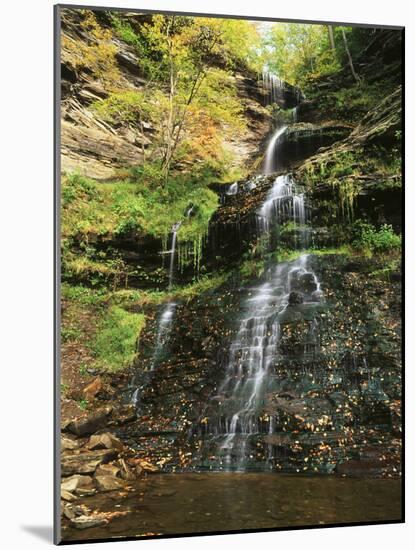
{"x":167,"y":314}
{"x":165,"y":321}
{"x":271,"y":157}
{"x":249,"y":378}
{"x":273,"y":87}
{"x":240,"y":411}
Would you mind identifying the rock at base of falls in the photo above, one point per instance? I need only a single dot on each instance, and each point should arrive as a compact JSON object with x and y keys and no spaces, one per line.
{"x":295,"y":298}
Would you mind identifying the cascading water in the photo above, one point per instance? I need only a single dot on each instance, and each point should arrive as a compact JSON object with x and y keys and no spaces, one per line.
{"x":271,"y":157}
{"x":233,"y":189}
{"x":274,"y":90}
{"x":295,"y":114}
{"x":254,"y":350}
{"x":167,"y":314}
{"x":250,"y":377}
{"x":273,"y":87}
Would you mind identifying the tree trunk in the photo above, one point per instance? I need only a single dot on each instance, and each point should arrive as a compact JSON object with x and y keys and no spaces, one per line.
{"x":170,"y":119}
{"x":143,"y":150}
{"x":331,"y":38}
{"x":176,"y":126}
{"x":349,"y":56}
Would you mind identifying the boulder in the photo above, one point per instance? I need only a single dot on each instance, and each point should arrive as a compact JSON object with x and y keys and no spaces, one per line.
{"x":108,"y":470}
{"x":90,"y":423}
{"x":72,"y":511}
{"x":86,"y":463}
{"x":303,"y":281}
{"x":108,"y":483}
{"x":104,"y":441}
{"x":66,"y":495}
{"x":295,"y":298}
{"x":122,"y":415}
{"x":85,"y":522}
{"x":75,"y":482}
{"x":69,"y":444}
{"x":68,"y":512}
{"x":317,"y":296}
{"x":147,"y":467}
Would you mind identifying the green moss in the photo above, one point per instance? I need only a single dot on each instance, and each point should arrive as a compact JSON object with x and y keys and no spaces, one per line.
{"x":103,"y":271}
{"x":346,"y":171}
{"x":108,"y":333}
{"x":83,"y":404}
{"x":116,"y":340}
{"x":83,"y":295}
{"x":123,"y":206}
{"x":153,"y":298}
{"x":90,"y":208}
{"x":123,"y":30}
{"x":385,"y":272}
{"x":100,"y":319}
{"x":291,"y":227}
{"x":287,"y":255}
{"x":71,"y":333}
{"x":353,"y":102}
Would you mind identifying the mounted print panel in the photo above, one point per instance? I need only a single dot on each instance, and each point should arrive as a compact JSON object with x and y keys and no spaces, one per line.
{"x":229,"y":198}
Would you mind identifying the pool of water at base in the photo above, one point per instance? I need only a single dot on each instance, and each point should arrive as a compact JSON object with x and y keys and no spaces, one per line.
{"x":185,"y":503}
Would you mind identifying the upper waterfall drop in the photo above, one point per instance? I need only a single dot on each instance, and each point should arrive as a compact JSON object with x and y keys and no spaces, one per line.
{"x":273,"y":87}
{"x":284,"y":95}
{"x":271,"y":154}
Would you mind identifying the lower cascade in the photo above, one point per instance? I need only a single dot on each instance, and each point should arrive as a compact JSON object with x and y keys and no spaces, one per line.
{"x":240,"y":412}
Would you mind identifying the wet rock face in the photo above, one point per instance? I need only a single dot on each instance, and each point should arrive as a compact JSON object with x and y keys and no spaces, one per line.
{"x":295,"y":298}
{"x":303,"y":282}
{"x":302,"y":140}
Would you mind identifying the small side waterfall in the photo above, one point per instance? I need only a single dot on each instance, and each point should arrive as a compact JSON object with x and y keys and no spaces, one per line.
{"x":167,"y":313}
{"x":165,"y":320}
{"x":295,"y":114}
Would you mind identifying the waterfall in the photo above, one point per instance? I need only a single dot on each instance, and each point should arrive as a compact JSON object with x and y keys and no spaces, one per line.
{"x":275,"y":203}
{"x":253,"y":352}
{"x":233,"y":189}
{"x":271,"y":157}
{"x":167,"y":313}
{"x":295,"y":114}
{"x":273,"y":87}
{"x":254,"y":349}
{"x":172,"y":253}
{"x":165,"y":320}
